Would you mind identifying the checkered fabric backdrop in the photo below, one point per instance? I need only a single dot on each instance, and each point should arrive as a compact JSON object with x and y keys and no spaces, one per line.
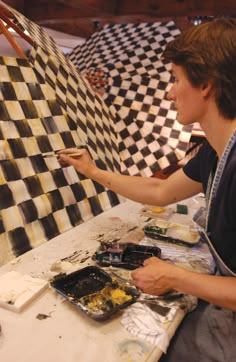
{"x":149,"y":136}
{"x":45,"y":106}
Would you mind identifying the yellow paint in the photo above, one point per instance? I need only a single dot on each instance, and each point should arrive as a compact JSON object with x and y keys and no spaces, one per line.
{"x":157,"y":209}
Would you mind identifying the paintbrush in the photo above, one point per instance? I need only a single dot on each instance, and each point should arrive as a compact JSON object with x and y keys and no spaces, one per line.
{"x":53,"y":154}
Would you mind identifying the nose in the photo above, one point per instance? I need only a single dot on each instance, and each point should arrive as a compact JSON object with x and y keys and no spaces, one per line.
{"x":171,"y":93}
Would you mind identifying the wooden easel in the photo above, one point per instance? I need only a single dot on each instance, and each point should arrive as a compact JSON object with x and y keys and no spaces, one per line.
{"x":5,"y":17}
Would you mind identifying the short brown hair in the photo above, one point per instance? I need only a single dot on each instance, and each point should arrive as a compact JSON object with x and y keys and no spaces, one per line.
{"x":208,"y":52}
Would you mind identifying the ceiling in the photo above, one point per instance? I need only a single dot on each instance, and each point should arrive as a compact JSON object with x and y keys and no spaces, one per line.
{"x":83,"y":17}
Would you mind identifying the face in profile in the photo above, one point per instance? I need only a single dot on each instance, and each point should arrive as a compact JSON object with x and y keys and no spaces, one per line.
{"x":189,"y":101}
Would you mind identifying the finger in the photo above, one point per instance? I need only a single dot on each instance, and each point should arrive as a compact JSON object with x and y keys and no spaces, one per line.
{"x":135,"y":273}
{"x":134,"y":282}
{"x":151,"y":260}
{"x":69,"y":155}
{"x":63,"y":158}
{"x":67,"y":151}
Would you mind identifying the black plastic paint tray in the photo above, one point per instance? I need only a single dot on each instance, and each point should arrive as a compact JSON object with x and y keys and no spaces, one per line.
{"x":94,"y":292}
{"x":128,"y":255}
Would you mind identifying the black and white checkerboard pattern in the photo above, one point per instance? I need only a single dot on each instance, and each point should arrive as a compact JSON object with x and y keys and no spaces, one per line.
{"x":95,"y":124}
{"x":45,"y":106}
{"x":149,"y":136}
{"x":113,"y":41}
{"x":75,"y":95}
{"x":40,"y":198}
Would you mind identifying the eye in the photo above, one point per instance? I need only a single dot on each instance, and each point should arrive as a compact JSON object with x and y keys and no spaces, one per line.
{"x":173,"y":78}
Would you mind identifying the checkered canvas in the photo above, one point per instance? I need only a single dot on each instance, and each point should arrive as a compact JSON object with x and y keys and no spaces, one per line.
{"x":39,"y":198}
{"x":129,"y":55}
{"x":45,"y":106}
{"x":75,"y":95}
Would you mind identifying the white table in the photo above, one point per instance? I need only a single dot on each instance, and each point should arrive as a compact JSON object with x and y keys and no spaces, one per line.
{"x":67,"y":335}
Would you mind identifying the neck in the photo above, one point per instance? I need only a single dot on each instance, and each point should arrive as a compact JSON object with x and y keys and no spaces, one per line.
{"x":218,"y":131}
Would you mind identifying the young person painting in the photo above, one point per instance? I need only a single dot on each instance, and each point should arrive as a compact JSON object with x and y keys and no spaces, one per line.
{"x":204,"y":65}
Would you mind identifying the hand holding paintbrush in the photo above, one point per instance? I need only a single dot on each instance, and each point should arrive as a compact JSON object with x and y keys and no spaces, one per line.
{"x":79,"y":159}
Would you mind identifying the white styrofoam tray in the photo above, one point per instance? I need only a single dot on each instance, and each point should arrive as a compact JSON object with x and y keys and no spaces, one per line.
{"x":18,"y":290}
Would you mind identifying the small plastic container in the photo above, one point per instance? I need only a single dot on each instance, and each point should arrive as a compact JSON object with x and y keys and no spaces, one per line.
{"x":172,"y":232}
{"x":127,"y":255}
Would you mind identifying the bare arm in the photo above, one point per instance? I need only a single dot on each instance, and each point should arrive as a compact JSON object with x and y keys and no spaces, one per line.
{"x":146,"y":190}
{"x":158,"y":276}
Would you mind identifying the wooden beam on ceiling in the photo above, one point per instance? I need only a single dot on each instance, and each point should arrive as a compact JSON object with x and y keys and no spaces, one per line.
{"x":85,"y":27}
{"x":68,"y":9}
{"x":177,"y":7}
{"x":83,"y":17}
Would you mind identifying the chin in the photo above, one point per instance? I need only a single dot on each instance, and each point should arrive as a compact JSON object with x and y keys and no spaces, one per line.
{"x":180,"y":120}
{"x":184,"y":121}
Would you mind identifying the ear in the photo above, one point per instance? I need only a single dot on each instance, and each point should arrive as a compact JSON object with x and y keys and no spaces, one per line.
{"x":206,"y":87}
